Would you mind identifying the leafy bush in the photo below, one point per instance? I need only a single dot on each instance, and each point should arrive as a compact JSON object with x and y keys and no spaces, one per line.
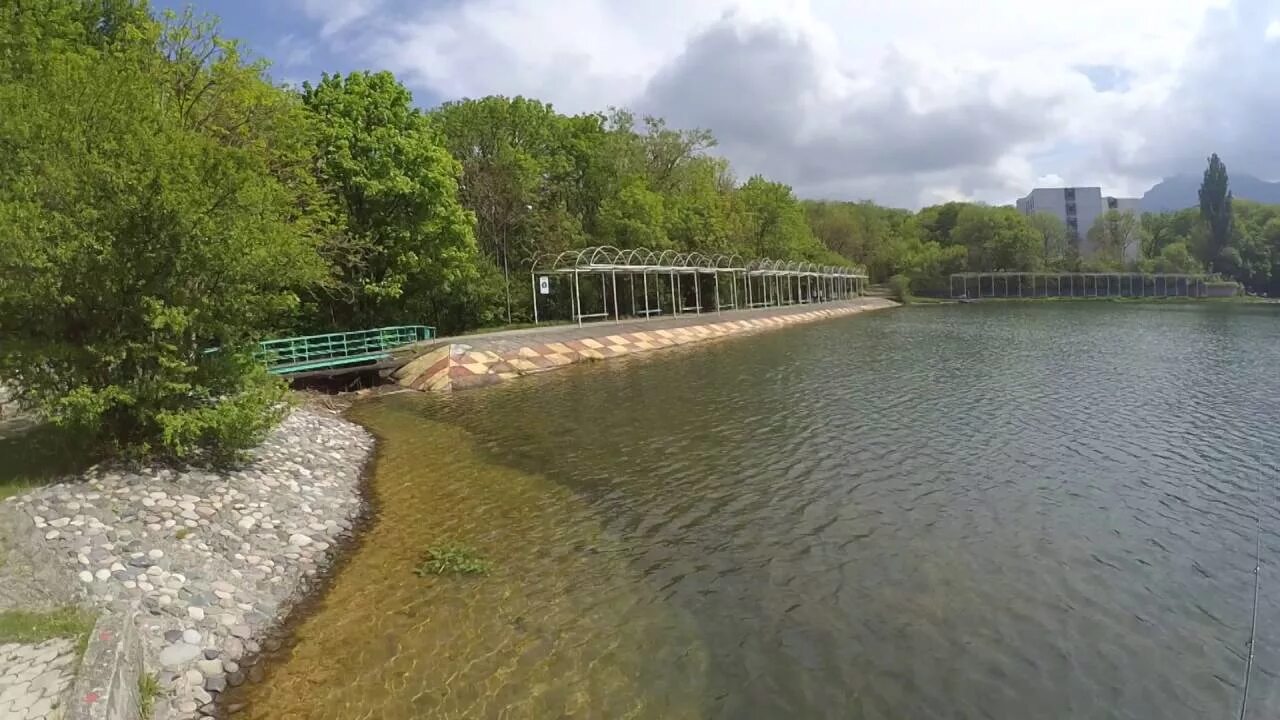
{"x":900,"y":288}
{"x":453,"y":560}
{"x":156,"y":200}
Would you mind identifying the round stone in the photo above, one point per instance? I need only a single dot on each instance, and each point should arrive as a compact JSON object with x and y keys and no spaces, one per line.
{"x":102,"y":574}
{"x":195,"y":678}
{"x":299,"y":540}
{"x":155,"y":554}
{"x":86,"y":576}
{"x":234,"y":648}
{"x":191,"y":636}
{"x":196,"y":613}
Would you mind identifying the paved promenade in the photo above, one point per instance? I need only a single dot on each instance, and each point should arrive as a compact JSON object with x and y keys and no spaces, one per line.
{"x":35,"y":679}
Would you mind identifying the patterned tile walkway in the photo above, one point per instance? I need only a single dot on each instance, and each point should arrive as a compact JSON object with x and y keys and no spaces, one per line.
{"x":483,"y":360}
{"x":35,"y":679}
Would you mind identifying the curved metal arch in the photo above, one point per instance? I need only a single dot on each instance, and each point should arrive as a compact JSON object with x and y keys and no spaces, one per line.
{"x":698,"y":260}
{"x":650,"y":257}
{"x":731,"y":261}
{"x":563,"y":255}
{"x":636,"y":258}
{"x":667,"y":258}
{"x":608,"y":252}
{"x":533,"y":261}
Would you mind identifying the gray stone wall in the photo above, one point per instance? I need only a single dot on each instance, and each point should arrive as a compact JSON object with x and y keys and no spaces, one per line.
{"x":107,"y":685}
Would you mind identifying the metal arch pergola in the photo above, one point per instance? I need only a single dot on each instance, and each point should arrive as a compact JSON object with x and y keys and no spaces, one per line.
{"x":789,"y":282}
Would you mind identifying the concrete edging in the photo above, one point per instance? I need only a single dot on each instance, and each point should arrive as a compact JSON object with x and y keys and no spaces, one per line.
{"x":106,"y":688}
{"x":480,"y":361}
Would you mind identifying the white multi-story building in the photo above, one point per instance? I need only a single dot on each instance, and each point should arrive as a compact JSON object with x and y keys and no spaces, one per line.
{"x":1079,"y":208}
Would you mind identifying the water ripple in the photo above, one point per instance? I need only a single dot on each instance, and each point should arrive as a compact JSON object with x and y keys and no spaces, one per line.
{"x":983,"y":512}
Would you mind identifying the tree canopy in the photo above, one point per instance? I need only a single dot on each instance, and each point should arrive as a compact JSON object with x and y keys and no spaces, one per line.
{"x":402,"y":245}
{"x":154,"y":222}
{"x":1215,"y":207}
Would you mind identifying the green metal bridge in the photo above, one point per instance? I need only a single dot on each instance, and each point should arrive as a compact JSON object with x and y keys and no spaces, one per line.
{"x":337,"y":351}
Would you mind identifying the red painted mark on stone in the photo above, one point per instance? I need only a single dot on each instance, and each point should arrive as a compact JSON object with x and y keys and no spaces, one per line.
{"x":105,"y":636}
{"x":91,"y":698}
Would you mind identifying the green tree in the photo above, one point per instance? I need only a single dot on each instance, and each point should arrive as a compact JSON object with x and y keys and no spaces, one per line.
{"x":405,"y":251}
{"x":697,"y":207}
{"x":518,"y":162}
{"x":998,"y":238}
{"x":154,"y":205}
{"x":770,"y":222}
{"x":1115,"y":237}
{"x":1253,"y":251}
{"x":633,"y":218}
{"x":1215,"y":207}
{"x":1053,"y":234}
{"x":938,"y":222}
{"x":1173,"y":258}
{"x":669,"y":152}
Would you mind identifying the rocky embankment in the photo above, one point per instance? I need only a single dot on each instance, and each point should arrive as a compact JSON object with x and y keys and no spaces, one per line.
{"x":210,"y":561}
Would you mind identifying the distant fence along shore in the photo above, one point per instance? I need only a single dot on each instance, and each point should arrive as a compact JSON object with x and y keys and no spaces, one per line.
{"x":1112,"y":284}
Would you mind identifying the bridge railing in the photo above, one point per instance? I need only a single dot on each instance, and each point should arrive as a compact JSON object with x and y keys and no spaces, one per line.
{"x":316,"y":352}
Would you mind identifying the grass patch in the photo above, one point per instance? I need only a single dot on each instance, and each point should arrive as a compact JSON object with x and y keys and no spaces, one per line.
{"x":452,"y":559}
{"x":39,"y":456}
{"x":21,"y":626}
{"x":148,"y":689}
{"x":182,"y":533}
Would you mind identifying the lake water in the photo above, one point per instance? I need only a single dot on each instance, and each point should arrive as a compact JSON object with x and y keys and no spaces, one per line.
{"x":999,"y":511}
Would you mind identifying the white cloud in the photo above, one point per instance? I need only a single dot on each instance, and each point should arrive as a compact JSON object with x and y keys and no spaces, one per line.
{"x":1273,"y":30}
{"x":906,"y":102}
{"x":336,"y":15}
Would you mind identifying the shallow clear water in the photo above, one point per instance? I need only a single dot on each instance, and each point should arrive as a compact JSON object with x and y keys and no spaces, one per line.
{"x":1005,"y":511}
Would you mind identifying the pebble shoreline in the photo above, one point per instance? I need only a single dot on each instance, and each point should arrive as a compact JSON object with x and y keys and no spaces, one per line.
{"x":212,"y":561}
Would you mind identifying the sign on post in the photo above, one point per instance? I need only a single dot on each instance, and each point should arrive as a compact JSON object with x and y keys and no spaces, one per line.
{"x":544,"y":285}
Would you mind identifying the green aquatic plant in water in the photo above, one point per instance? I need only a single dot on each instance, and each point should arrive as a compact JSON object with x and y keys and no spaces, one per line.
{"x":452,"y":559}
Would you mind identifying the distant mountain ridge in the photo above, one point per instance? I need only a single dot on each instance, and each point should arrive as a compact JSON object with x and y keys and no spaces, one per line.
{"x":1183,"y":191}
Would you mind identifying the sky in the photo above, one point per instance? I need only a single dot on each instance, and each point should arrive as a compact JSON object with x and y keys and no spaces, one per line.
{"x":907,"y":102}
